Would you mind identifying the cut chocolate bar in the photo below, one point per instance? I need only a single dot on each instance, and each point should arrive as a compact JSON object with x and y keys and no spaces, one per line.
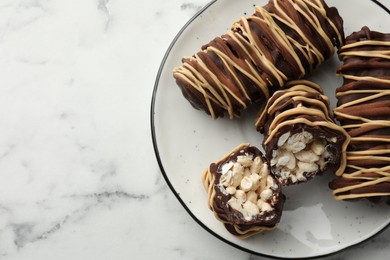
{"x":242,"y":192}
{"x":283,"y":40}
{"x":301,"y":139}
{"x":363,"y":110}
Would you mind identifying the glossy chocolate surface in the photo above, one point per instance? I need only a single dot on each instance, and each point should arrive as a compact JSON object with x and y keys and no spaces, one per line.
{"x":234,"y":220}
{"x":281,"y":41}
{"x":302,"y":107}
{"x":364,"y":111}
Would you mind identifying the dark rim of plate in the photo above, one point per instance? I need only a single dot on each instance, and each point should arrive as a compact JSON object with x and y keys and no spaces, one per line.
{"x":166,"y":177}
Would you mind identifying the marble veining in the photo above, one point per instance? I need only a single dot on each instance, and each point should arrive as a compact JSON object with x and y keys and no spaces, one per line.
{"x":78,"y":175}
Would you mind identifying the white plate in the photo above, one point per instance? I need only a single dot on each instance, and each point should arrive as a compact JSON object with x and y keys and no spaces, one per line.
{"x":187,"y":140}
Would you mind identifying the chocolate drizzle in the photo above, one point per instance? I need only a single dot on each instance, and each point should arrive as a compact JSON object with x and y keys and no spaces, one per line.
{"x":363,"y":110}
{"x":283,"y":40}
{"x":302,"y":109}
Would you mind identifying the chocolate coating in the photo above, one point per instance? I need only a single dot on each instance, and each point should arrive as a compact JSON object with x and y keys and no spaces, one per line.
{"x":234,"y":220}
{"x":283,"y":40}
{"x":363,"y":109}
{"x":302,"y":107}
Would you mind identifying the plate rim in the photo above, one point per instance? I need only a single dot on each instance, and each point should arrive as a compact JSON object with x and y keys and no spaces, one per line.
{"x":165,"y":176}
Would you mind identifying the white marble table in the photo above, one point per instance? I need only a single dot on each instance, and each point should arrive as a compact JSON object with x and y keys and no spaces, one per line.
{"x":78,"y":175}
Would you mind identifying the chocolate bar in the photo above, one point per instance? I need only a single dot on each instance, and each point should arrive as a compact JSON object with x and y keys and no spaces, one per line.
{"x":301,"y":139}
{"x":242,"y":192}
{"x":363,"y":110}
{"x":284,"y":40}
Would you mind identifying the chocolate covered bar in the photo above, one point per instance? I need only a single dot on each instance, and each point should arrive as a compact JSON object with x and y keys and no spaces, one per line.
{"x":301,"y":138}
{"x":242,"y":192}
{"x":363,"y":110}
{"x":283,"y":40}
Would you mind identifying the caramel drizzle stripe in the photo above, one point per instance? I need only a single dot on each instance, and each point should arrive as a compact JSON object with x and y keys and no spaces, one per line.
{"x":360,"y":100}
{"x":361,"y":170}
{"x":263,"y":113}
{"x":297,"y":91}
{"x":366,"y":121}
{"x":223,"y":100}
{"x":370,"y":157}
{"x":225,"y":59}
{"x":362,"y":185}
{"x":255,"y":77}
{"x":240,"y":39}
{"x":310,"y":16}
{"x":207,"y":180}
{"x":305,"y":51}
{"x":288,"y":42}
{"x":282,"y":37}
{"x":281,"y":78}
{"x":241,"y":86}
{"x":268,"y":64}
{"x":187,"y":78}
{"x":369,"y":152}
{"x":363,"y":91}
{"x":251,"y":231}
{"x":363,"y":119}
{"x":366,"y":78}
{"x":374,"y":139}
{"x":372,"y":123}
{"x":299,"y":111}
{"x":320,"y":8}
{"x":290,"y":23}
{"x":314,"y":102}
{"x":293,"y":94}
{"x":201,"y":85}
{"x":370,"y":54}
{"x":190,"y":72}
{"x":364,"y":43}
{"x":356,"y":196}
{"x":305,"y":85}
{"x":362,"y":178}
{"x":227,"y":102}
